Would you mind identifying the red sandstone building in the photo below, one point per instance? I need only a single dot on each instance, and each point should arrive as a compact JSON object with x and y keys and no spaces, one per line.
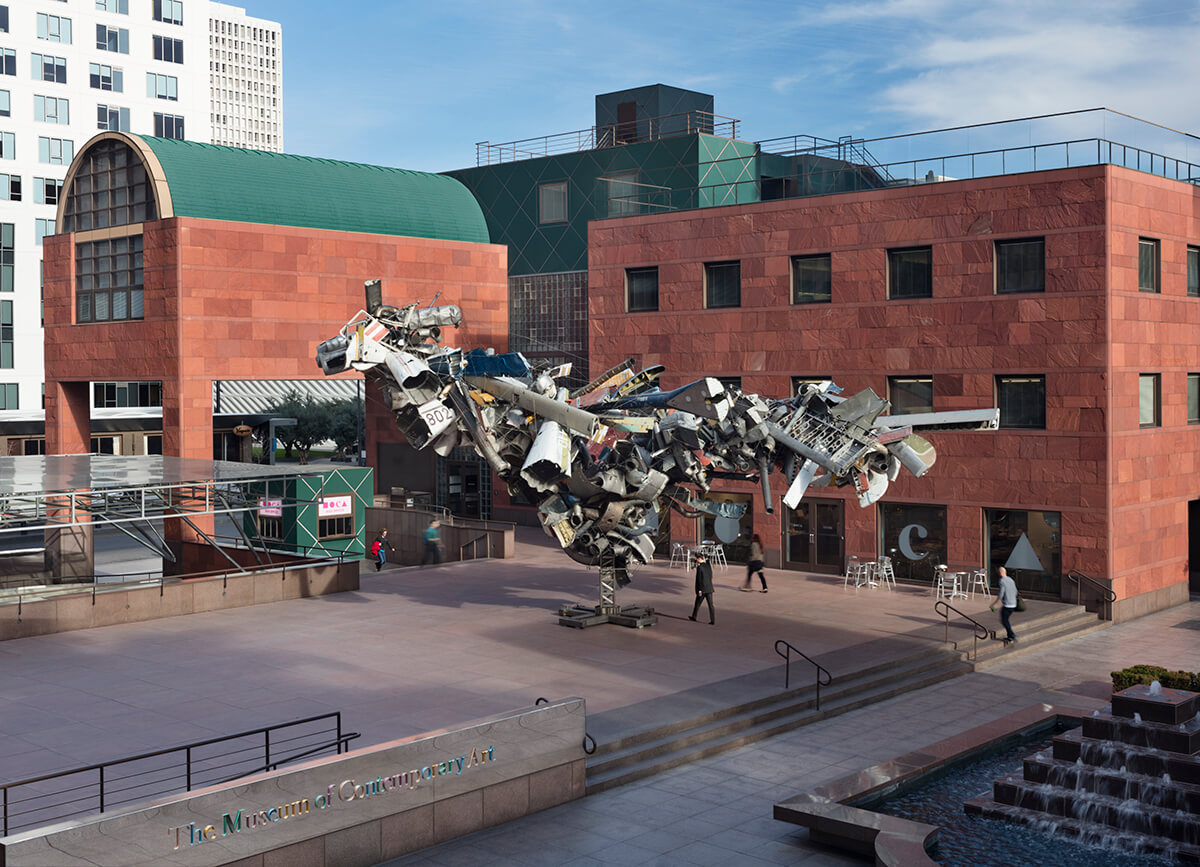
{"x":1066,"y":298}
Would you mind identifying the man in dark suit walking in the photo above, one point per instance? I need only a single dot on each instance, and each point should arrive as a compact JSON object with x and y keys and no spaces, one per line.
{"x":704,"y":588}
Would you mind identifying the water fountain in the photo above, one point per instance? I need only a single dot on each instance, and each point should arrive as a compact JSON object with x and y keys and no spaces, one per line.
{"x":1129,"y":776}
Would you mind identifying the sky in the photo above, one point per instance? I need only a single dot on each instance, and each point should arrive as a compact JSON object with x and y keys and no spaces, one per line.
{"x":416,"y":84}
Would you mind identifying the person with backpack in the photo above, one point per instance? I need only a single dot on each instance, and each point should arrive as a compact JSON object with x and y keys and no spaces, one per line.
{"x":377,"y":549}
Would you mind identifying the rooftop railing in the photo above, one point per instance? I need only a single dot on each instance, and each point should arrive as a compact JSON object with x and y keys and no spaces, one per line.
{"x":611,"y":135}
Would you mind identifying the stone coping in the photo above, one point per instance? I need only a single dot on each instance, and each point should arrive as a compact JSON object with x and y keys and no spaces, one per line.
{"x":831,"y":814}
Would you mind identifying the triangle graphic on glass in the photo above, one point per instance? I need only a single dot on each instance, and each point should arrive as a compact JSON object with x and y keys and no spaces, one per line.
{"x":1023,"y":557}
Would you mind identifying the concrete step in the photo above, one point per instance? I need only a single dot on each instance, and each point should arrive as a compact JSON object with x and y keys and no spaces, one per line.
{"x":1039,"y":633}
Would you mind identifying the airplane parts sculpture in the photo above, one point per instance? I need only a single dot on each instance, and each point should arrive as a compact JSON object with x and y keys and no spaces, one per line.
{"x":602,"y":460}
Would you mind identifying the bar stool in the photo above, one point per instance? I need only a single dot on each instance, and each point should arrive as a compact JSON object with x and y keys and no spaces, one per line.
{"x":979,"y":580}
{"x":715,"y":552}
{"x":945,"y":582}
{"x":854,"y":572}
{"x":884,"y":573}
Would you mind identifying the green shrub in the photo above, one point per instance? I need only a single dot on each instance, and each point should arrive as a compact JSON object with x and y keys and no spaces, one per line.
{"x":1147,"y":674}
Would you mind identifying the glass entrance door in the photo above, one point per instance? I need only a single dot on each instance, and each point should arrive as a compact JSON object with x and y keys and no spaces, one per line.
{"x":815,"y":536}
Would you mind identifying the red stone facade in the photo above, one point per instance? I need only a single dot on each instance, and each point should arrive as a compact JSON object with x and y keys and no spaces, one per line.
{"x":234,"y":301}
{"x":1122,"y":490}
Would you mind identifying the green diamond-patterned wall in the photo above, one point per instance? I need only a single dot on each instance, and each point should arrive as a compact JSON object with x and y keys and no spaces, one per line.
{"x":300,"y":521}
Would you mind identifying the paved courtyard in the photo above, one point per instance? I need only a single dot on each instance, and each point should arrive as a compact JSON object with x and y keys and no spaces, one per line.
{"x":417,"y":649}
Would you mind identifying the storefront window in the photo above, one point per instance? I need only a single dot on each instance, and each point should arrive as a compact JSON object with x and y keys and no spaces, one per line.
{"x":914,"y":536}
{"x":733,"y":533}
{"x":1028,"y":545}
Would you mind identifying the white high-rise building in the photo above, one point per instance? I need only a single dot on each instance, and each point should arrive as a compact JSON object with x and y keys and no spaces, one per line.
{"x":191,"y":69}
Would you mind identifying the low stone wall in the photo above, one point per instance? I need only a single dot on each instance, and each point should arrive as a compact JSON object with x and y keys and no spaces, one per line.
{"x":353,"y":810}
{"x":98,"y":606}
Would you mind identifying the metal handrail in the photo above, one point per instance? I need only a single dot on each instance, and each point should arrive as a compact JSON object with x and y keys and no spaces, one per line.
{"x":1107,"y":596}
{"x":462,"y":549}
{"x":787,"y":669}
{"x":979,"y":632}
{"x":103,"y":786}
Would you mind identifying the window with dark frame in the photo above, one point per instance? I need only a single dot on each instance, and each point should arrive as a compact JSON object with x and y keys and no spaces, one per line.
{"x":104,"y":77}
{"x":1148,"y":265}
{"x":910,"y":394}
{"x":910,"y":273}
{"x":336,"y":527}
{"x":270,"y":527}
{"x":1193,"y":271}
{"x":47,"y":67}
{"x":7,"y":256}
{"x":722,"y":284}
{"x":6,"y":335}
{"x":1193,"y":398}
{"x":8,"y":61}
{"x":108,"y":279}
{"x":641,"y":289}
{"x":10,"y":188}
{"x":1020,"y":266}
{"x":112,"y":39}
{"x":1149,"y":400}
{"x":3,"y":19}
{"x":800,"y":381}
{"x":1022,"y":400}
{"x":168,"y":125}
{"x":108,"y":395}
{"x":9,"y":395}
{"x":812,"y":279}
{"x":168,"y":49}
{"x":110,"y":189}
{"x":552,"y":202}
{"x":168,"y":11}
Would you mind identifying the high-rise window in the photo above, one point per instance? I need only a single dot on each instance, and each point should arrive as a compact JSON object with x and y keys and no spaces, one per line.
{"x":909,"y":394}
{"x":168,"y":125}
{"x":3,"y":19}
{"x":722,"y":284}
{"x":552,"y":202}
{"x":112,"y":117}
{"x":1022,"y":400}
{"x":1193,"y":398}
{"x":910,"y":273}
{"x":812,"y":279}
{"x":47,"y":191}
{"x":112,"y":39}
{"x":162,"y":86}
{"x":168,"y":11}
{"x":117,"y":7}
{"x":1020,"y":266}
{"x":8,"y":395}
{"x":8,"y":146}
{"x":7,"y":236}
{"x":641,"y":289}
{"x":54,"y":28}
{"x":108,"y":279}
{"x":1149,"y":400}
{"x":56,"y":151}
{"x":5,"y":103}
{"x":42,"y":228}
{"x":47,"y":67}
{"x":1193,"y":271}
{"x":103,"y":77}
{"x":10,"y":188}
{"x":170,"y":50}
{"x":50,"y":109}
{"x":6,"y":335}
{"x":1148,"y":265}
{"x":8,"y":61}
{"x":119,"y":394}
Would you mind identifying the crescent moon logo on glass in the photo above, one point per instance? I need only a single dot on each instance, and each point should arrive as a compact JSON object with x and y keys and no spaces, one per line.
{"x":906,"y":542}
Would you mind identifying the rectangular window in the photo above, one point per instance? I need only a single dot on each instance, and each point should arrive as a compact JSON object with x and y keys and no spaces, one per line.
{"x":34,"y":447}
{"x":270,"y":527}
{"x":108,"y":279}
{"x":1022,"y":400}
{"x":104,"y":77}
{"x":1148,"y":265}
{"x":1149,"y":400}
{"x":117,"y":7}
{"x":7,"y":235}
{"x":8,"y":395}
{"x":54,"y":28}
{"x":108,"y":395}
{"x":47,"y":67}
{"x":910,"y":273}
{"x":168,"y":125}
{"x":812,"y":279}
{"x":41,"y":229}
{"x":1028,"y":545}
{"x":3,"y":19}
{"x":105,"y":445}
{"x":162,"y":86}
{"x":1020,"y":266}
{"x":1193,"y":271}
{"x":733,"y":383}
{"x":8,"y":146}
{"x":6,"y":335}
{"x":112,"y":117}
{"x":8,"y":61}
{"x":552,"y":202}
{"x":10,"y":188}
{"x":641,"y":289}
{"x":622,"y":194}
{"x":800,"y":383}
{"x":909,"y":394}
{"x":50,"y":109}
{"x":5,"y":104}
{"x":168,"y":11}
{"x":154,"y":444}
{"x":722,"y":284}
{"x":914,"y":536}
{"x":1193,"y":398}
{"x":46,"y":191}
{"x":112,"y":39}
{"x":168,"y":49}
{"x":56,"y":151}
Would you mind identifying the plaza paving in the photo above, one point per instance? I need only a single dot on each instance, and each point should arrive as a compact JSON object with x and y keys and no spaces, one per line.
{"x":417,"y":649}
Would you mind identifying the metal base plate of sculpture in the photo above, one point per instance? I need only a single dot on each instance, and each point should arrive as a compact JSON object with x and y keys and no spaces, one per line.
{"x":600,"y":461}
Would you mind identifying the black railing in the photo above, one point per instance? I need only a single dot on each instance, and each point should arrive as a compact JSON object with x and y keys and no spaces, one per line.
{"x":787,"y":668}
{"x":29,"y":803}
{"x":980,"y":631}
{"x":1107,"y":596}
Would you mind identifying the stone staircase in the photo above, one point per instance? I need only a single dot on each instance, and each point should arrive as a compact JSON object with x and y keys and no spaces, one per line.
{"x":672,"y":731}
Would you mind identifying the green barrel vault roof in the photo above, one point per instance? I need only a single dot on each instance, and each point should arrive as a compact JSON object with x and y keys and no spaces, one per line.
{"x":226,"y":183}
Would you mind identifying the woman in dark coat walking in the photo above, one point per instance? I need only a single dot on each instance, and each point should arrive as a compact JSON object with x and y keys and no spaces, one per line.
{"x":704,"y":588}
